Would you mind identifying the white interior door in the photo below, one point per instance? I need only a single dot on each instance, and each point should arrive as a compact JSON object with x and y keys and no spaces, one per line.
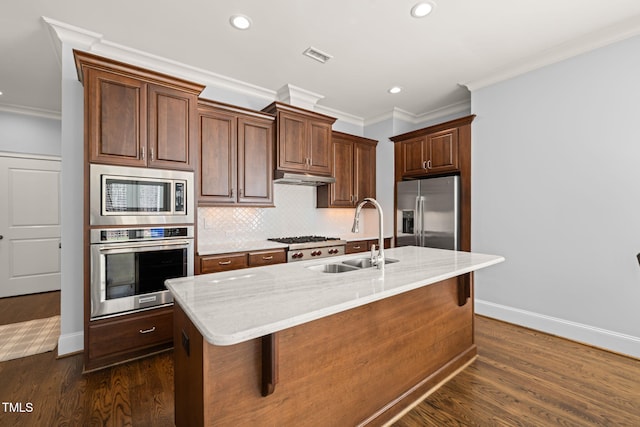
{"x":29,"y":225}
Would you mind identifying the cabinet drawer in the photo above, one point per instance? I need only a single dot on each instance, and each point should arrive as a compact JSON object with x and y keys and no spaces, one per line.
{"x":217,"y":263}
{"x":131,"y":332}
{"x":266,"y":258}
{"x":357,"y":246}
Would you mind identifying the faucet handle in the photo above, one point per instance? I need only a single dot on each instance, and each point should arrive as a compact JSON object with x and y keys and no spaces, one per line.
{"x":373,"y":253}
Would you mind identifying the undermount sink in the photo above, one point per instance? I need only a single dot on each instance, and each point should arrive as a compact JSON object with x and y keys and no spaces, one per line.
{"x":349,"y":265}
{"x":366,"y":262}
{"x":333,"y":268}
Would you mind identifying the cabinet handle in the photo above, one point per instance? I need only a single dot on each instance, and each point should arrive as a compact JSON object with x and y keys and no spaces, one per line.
{"x":428,"y":164}
{"x":424,"y":164}
{"x":267,"y":258}
{"x":151,"y":154}
{"x":231,"y":193}
{"x":357,"y":247}
{"x":142,"y":152}
{"x":224,"y":262}
{"x":147,"y":331}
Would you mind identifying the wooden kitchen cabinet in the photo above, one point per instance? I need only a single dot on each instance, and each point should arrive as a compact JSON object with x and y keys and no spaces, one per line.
{"x":353,"y":164}
{"x":129,"y":336}
{"x":259,"y":258}
{"x":356,"y":246}
{"x":430,"y":154}
{"x":303,"y":139}
{"x":235,"y":148}
{"x":238,"y":260}
{"x":223,"y":262}
{"x":137,"y":117}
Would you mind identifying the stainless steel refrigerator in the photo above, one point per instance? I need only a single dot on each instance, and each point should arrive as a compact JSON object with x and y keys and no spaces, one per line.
{"x":428,"y":213}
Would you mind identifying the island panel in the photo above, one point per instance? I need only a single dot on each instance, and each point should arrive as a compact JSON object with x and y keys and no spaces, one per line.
{"x":360,"y":366}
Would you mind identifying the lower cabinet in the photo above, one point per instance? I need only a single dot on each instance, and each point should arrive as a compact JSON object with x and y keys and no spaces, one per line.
{"x":234,"y":261}
{"x":356,"y":246}
{"x":130,"y":336}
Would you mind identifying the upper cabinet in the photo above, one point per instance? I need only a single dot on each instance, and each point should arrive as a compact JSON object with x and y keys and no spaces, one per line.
{"x":235,"y":150}
{"x":137,"y":117}
{"x":303,"y":139}
{"x":429,"y":151}
{"x":353,"y":161}
{"x":429,"y":154}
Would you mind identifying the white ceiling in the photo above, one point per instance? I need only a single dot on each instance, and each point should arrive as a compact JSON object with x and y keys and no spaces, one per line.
{"x":375,"y":44}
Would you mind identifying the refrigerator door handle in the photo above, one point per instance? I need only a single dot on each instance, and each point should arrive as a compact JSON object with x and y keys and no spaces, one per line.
{"x":422,"y":236}
{"x":417,"y":221}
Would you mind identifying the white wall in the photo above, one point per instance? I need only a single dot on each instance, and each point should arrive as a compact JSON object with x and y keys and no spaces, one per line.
{"x":72,"y":294}
{"x":21,"y":133}
{"x":556,"y":190}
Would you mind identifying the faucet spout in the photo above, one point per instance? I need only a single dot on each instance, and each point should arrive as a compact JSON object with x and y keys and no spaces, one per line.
{"x":377,"y":260}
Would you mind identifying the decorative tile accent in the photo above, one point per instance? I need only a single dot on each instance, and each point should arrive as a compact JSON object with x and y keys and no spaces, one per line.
{"x":295,"y":214}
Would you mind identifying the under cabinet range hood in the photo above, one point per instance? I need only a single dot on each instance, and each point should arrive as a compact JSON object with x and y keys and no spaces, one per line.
{"x":291,"y":178}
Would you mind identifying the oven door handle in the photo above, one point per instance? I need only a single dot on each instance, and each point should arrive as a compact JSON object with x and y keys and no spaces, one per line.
{"x":112,"y":248}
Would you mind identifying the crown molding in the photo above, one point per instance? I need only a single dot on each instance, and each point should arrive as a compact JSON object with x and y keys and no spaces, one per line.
{"x":28,"y":111}
{"x":461,"y":107}
{"x":609,"y":35}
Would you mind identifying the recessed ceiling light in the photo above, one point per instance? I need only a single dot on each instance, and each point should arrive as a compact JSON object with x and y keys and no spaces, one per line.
{"x":0,"y":93}
{"x":422,"y":9}
{"x":395,"y":89}
{"x":240,"y":22}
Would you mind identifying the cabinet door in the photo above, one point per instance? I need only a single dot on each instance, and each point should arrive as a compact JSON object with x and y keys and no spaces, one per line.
{"x":356,"y":246}
{"x":217,"y":171}
{"x":270,"y":257}
{"x":255,"y":161}
{"x":225,"y":262}
{"x":170,"y":127}
{"x":292,"y":147}
{"x":414,"y":156}
{"x":319,"y":147}
{"x":342,"y":192}
{"x":364,"y":171}
{"x":116,"y":118}
{"x":443,"y":151}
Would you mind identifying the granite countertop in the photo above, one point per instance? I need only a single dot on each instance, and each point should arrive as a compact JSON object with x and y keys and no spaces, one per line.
{"x":240,"y":305}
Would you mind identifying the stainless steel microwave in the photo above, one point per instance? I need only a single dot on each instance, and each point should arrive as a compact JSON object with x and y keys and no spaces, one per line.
{"x":122,"y":195}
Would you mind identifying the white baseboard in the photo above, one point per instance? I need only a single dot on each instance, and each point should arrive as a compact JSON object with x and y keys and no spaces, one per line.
{"x":602,"y":338}
{"x":70,"y":343}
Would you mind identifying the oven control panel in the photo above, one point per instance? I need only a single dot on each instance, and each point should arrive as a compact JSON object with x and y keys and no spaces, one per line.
{"x":134,"y":234}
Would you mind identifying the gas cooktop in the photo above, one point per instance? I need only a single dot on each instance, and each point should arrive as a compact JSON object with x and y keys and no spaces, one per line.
{"x":303,"y":239}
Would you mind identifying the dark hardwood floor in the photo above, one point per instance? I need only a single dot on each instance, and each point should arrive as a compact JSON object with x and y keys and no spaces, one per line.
{"x":29,"y":307}
{"x":526,"y":378}
{"x":521,"y":378}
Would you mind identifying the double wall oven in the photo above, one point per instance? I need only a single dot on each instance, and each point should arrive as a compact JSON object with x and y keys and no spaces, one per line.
{"x":141,"y":234}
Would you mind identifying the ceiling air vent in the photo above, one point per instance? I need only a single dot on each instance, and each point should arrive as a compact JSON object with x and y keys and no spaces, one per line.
{"x":316,"y":54}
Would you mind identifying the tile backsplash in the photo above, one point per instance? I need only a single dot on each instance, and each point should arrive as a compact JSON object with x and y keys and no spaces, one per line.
{"x":295,"y":214}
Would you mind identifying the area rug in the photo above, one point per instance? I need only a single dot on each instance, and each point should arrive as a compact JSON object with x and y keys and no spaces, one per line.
{"x":28,"y":338}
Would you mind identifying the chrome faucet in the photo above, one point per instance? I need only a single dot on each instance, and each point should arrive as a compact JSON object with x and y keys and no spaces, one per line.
{"x":377,"y":260}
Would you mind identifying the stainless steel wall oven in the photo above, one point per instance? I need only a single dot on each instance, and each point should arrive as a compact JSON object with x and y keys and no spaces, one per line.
{"x":129,"y":267}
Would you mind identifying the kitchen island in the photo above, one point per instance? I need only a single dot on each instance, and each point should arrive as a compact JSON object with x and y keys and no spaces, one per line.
{"x":290,"y":345}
